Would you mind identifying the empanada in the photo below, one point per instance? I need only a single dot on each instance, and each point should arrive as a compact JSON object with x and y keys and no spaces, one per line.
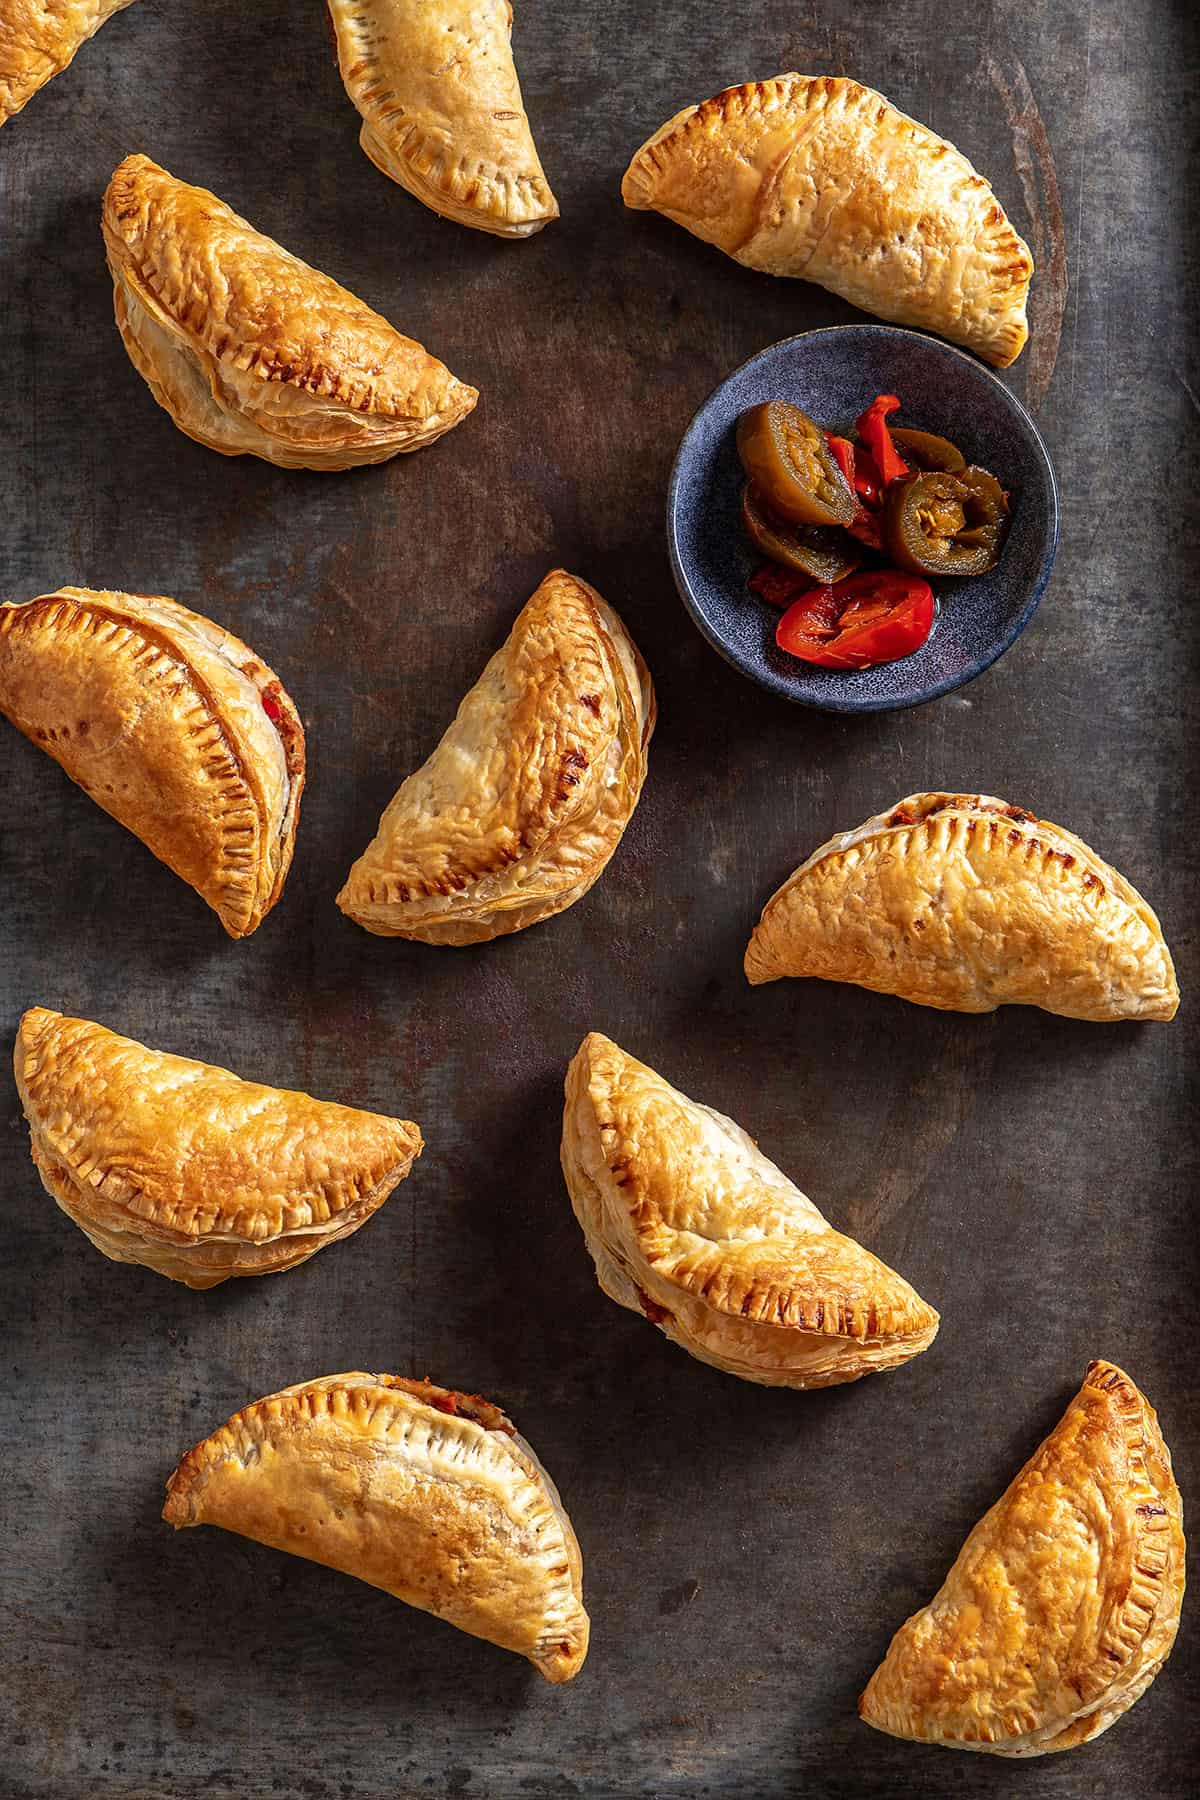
{"x":441,"y":107}
{"x":817,"y":177}
{"x":173,"y":726}
{"x":690,"y":1224}
{"x":185,"y":1168}
{"x":963,"y":902}
{"x":1064,"y":1601}
{"x":526,"y":797}
{"x":423,"y":1492}
{"x":251,"y":351}
{"x":38,"y":38}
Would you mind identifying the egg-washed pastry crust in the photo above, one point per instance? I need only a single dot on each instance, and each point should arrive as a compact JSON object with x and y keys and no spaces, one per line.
{"x":419,"y":1490}
{"x":820,"y":178}
{"x":249,"y":349}
{"x":189,"y":1170}
{"x":963,"y":902}
{"x":525,"y":799}
{"x":173,"y":726}
{"x":1064,"y":1601}
{"x":441,"y":106}
{"x":38,"y":38}
{"x":688,"y":1222}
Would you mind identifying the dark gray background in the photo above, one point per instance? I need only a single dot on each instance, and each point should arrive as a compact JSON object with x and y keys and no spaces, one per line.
{"x":747,"y":1553}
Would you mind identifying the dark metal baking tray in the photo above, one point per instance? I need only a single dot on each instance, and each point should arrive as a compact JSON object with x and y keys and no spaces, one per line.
{"x":748,"y":1553}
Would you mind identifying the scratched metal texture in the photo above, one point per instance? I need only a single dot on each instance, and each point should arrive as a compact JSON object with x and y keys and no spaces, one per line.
{"x":748,"y":1553}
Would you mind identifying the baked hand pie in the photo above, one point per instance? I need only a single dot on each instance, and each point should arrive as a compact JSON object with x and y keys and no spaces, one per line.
{"x":38,"y":38}
{"x":963,"y":902}
{"x":441,"y":108}
{"x":816,"y":177}
{"x":1064,"y":1601}
{"x":689,"y":1223}
{"x":250,"y":350}
{"x":173,"y":726}
{"x":423,"y":1492}
{"x":185,"y":1168}
{"x":525,"y":799}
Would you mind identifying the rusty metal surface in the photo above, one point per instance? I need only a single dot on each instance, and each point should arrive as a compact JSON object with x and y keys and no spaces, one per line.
{"x":747,"y":1553}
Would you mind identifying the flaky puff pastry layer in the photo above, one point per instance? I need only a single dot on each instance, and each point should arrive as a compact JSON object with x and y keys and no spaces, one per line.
{"x":421,"y":1491}
{"x":526,"y":798}
{"x":173,"y":726}
{"x":963,"y":902}
{"x":820,"y":178}
{"x":250,"y":350}
{"x":38,"y":38}
{"x":688,"y":1222}
{"x":1064,"y":1601}
{"x":441,"y":106}
{"x":189,"y":1170}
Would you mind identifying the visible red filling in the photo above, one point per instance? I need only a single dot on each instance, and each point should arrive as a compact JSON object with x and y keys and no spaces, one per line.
{"x":653,"y":1311}
{"x":272,"y":708}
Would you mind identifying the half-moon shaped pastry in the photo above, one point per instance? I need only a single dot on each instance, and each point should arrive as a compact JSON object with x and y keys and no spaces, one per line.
{"x":1064,"y":1601}
{"x":441,"y":107}
{"x":38,"y":38}
{"x":525,"y":799}
{"x":250,"y":350}
{"x":185,"y":1168}
{"x":173,"y":726}
{"x":817,"y":177}
{"x":963,"y":902}
{"x":423,"y":1492}
{"x":689,"y":1223}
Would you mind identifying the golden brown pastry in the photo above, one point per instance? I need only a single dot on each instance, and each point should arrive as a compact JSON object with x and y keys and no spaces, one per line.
{"x":521,"y":805}
{"x":690,"y":1224}
{"x":173,"y":726}
{"x":817,"y":177}
{"x":251,"y":351}
{"x":963,"y":902}
{"x":441,"y":107}
{"x":186,"y":1169}
{"x":423,"y":1492}
{"x":1064,"y":1601}
{"x":38,"y":38}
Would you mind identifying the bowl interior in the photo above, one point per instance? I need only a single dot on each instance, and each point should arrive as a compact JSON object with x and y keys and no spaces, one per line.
{"x":834,"y":375}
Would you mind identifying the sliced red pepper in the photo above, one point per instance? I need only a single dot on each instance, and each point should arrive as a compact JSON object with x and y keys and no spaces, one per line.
{"x":779,"y":586}
{"x":867,"y":619}
{"x":865,"y":527}
{"x":868,"y":483}
{"x":872,"y":429}
{"x":843,"y":455}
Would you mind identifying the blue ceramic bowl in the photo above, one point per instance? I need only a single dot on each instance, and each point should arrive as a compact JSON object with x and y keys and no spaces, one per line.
{"x":834,"y":375}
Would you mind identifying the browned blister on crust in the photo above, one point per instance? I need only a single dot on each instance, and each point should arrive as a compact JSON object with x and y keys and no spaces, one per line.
{"x":963,"y":902}
{"x":821,"y":178}
{"x":38,"y":38}
{"x":189,"y":1170}
{"x":424,"y":1492}
{"x":249,"y":349}
{"x":437,"y":88}
{"x":525,"y":799}
{"x":688,"y":1222}
{"x":173,"y":726}
{"x":1064,"y":1601}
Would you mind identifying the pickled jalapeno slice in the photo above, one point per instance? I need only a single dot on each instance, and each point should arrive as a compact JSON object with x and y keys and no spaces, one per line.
{"x":822,"y":552}
{"x":926,"y":450}
{"x":785,"y":455}
{"x":946,"y":522}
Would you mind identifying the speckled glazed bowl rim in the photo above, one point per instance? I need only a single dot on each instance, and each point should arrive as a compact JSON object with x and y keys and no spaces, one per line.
{"x":868,"y":703}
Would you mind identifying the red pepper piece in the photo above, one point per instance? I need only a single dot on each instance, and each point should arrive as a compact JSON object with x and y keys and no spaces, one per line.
{"x":865,"y":527}
{"x":867,"y":619}
{"x":272,"y":708}
{"x":843,"y":454}
{"x":872,"y":429}
{"x":868,"y":483}
{"x":778,"y":586}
